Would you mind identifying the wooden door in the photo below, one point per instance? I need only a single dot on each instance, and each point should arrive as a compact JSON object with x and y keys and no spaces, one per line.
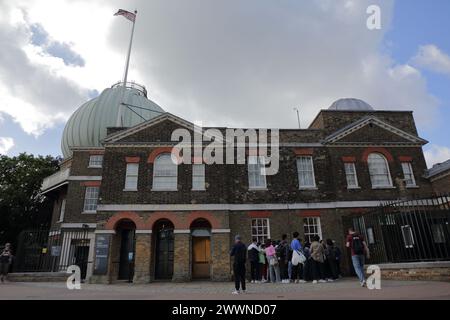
{"x":201,"y":257}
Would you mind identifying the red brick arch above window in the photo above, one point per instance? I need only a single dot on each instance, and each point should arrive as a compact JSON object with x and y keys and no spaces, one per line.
{"x":133,"y":216}
{"x":380,"y":150}
{"x":259,"y":214}
{"x":158,"y":151}
{"x":309,"y":213}
{"x":304,"y":151}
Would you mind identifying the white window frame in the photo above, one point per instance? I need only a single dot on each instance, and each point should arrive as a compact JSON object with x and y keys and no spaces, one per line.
{"x":167,"y":175}
{"x":371,"y":173}
{"x":258,"y":223}
{"x":311,"y":171}
{"x":407,"y":228}
{"x":90,"y":203}
{"x":96,"y":161}
{"x":198,"y":178}
{"x":130,"y":175}
{"x":62,"y":210}
{"x":256,"y":170}
{"x":313,"y":222}
{"x":408,"y":166}
{"x":348,"y":165}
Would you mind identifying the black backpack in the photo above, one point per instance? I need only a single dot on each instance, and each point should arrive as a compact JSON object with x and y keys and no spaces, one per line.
{"x":357,"y":245}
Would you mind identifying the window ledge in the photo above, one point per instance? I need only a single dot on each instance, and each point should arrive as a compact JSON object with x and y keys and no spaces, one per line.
{"x":164,"y":190}
{"x":412,"y":187}
{"x":308,"y":188}
{"x":95,"y":167}
{"x":89,"y":212}
{"x":130,"y":190}
{"x":353,"y":188}
{"x":257,"y":189}
{"x":198,"y":189}
{"x":385,"y":188}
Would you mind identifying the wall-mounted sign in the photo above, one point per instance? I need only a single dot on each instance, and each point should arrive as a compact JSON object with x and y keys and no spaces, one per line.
{"x":56,"y":251}
{"x":102,"y":242}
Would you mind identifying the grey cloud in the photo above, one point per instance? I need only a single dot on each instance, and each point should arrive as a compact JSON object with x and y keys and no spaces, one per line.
{"x":250,"y":62}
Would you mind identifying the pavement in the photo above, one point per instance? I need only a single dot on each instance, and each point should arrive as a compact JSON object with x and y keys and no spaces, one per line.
{"x":343,"y":289}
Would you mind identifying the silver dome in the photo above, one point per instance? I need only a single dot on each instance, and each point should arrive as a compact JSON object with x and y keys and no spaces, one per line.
{"x":350,"y":104}
{"x":87,"y":125}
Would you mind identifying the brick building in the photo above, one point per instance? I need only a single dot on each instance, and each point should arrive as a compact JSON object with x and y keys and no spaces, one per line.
{"x":150,"y":219}
{"x":439,"y":176}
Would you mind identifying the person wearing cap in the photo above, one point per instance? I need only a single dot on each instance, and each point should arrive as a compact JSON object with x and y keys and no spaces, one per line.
{"x":5,"y":261}
{"x":239,"y":252}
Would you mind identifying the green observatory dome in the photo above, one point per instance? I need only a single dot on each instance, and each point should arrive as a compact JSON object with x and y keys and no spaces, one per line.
{"x":87,"y":126}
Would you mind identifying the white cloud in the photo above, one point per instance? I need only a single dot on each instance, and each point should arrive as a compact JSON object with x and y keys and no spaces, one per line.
{"x":436,"y":154}
{"x":6,"y":143}
{"x":430,"y":57}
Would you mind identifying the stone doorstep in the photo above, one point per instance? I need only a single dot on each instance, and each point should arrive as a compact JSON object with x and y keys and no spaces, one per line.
{"x":37,"y":277}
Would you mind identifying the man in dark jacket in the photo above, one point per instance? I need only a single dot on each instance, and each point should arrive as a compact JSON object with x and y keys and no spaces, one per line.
{"x":239,"y":252}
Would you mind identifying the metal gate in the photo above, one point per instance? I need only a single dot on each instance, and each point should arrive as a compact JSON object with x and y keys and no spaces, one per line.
{"x":52,"y":251}
{"x":407,"y":231}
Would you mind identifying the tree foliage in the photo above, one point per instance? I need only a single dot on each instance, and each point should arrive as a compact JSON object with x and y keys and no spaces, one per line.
{"x":21,"y":204}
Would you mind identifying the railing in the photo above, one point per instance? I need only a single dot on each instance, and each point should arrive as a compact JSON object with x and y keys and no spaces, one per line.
{"x":407,"y":231}
{"x":52,"y":251}
{"x":132,"y":85}
{"x":55,"y":179}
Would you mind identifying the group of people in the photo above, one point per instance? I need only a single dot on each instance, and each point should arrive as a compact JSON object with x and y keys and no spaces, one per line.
{"x":317,"y":261}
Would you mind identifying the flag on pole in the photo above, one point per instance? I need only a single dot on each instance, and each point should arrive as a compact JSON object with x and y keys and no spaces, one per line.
{"x":129,"y":15}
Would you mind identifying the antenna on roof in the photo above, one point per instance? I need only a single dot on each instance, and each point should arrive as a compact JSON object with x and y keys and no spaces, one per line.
{"x":298,"y":117}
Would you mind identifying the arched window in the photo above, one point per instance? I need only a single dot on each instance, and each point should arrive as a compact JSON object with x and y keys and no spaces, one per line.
{"x":379,"y":171}
{"x":165,"y":172}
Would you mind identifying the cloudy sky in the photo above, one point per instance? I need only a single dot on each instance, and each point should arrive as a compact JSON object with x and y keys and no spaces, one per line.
{"x":229,"y":63}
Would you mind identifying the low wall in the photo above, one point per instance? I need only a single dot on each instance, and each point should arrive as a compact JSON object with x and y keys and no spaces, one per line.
{"x":436,"y":271}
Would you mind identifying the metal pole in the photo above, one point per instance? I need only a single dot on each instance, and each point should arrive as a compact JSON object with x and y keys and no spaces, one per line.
{"x":298,"y":118}
{"x":119,"y":122}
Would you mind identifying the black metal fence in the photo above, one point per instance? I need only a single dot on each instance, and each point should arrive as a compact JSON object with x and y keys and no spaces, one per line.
{"x":52,"y":250}
{"x":407,"y":230}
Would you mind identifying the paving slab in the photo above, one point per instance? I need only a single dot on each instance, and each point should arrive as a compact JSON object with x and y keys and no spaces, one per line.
{"x":343,"y":289}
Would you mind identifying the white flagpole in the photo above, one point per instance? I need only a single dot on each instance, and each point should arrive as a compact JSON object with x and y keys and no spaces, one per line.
{"x":119,"y":122}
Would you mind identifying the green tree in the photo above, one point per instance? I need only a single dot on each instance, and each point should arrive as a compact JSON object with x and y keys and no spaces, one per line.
{"x":21,"y":204}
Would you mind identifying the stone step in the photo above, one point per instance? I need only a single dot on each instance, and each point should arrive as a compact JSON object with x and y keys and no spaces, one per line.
{"x":37,"y":277}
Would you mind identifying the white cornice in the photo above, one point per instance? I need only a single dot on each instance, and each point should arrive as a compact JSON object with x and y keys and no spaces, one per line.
{"x":239,"y":207}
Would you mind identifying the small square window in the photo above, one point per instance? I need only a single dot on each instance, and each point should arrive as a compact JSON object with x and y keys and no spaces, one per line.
{"x":95,"y":161}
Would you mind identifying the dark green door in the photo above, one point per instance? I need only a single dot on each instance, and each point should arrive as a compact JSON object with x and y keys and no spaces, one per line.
{"x":164,"y":253}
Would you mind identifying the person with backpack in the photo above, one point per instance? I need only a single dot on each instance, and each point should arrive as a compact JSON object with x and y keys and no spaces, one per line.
{"x":5,"y":261}
{"x":331,"y":254}
{"x":272,"y":259}
{"x":297,"y":270}
{"x":283,"y":256}
{"x":359,"y":251}
{"x":239,"y":252}
{"x":253,"y":257}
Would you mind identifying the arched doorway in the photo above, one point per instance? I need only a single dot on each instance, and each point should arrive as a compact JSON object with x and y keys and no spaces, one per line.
{"x":126,"y":230}
{"x":201,"y":249}
{"x":164,"y":249}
